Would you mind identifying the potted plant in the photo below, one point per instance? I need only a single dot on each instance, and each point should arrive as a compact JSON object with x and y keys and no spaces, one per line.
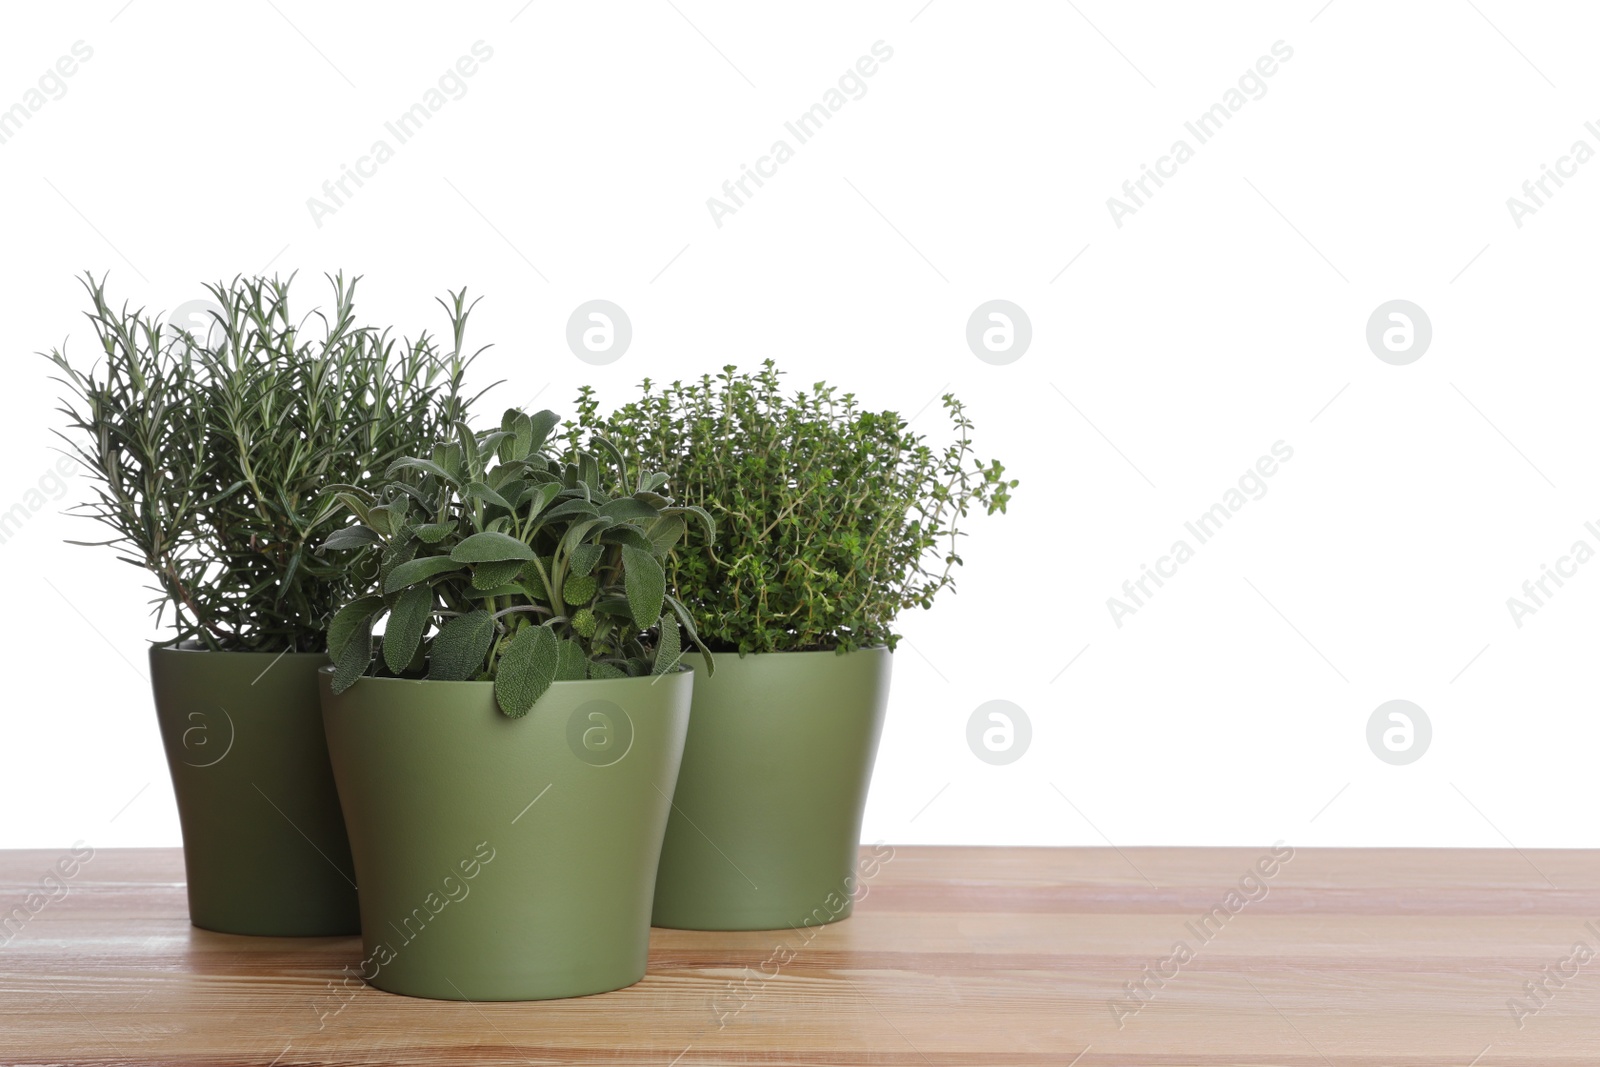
{"x":831,"y":520}
{"x":207,"y":456}
{"x":507,"y":760}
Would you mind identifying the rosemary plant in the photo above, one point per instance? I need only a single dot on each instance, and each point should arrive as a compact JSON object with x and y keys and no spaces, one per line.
{"x":209,"y":462}
{"x":501,"y":562}
{"x":831,"y":519}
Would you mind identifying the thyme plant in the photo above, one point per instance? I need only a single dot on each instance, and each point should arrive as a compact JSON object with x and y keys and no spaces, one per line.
{"x":208,"y":462}
{"x":832,"y":519}
{"x":499,"y":561}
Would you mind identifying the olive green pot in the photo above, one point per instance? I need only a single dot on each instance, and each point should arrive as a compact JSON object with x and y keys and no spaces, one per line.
{"x":766,"y":820}
{"x":506,"y":859}
{"x":264,"y":846}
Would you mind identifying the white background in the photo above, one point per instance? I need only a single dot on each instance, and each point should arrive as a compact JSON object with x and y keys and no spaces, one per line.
{"x":1227,"y":314}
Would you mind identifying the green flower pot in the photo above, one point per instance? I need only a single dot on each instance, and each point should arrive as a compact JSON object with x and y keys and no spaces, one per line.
{"x":506,"y":859}
{"x":264,"y":846}
{"x":766,"y":821}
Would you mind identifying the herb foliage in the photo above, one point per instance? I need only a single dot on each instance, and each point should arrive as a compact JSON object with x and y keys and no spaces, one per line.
{"x":502,"y":562}
{"x":209,"y":463}
{"x":832,"y":519}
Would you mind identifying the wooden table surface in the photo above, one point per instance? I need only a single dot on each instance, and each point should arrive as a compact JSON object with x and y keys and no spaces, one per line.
{"x":982,"y":956}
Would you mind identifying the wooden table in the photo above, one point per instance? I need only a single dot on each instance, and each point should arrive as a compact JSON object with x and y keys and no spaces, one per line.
{"x":956,"y":956}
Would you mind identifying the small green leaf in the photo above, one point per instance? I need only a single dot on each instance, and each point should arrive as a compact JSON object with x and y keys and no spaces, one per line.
{"x":351,"y":537}
{"x":448,"y":458}
{"x":645,"y":583}
{"x":538,"y":497}
{"x":578,"y":531}
{"x":397,"y":553}
{"x":669,"y":646}
{"x":354,"y":503}
{"x":427,"y":466}
{"x":418,"y":570}
{"x":518,"y":441}
{"x":629,"y":535}
{"x":541,"y":424}
{"x":604,"y":445}
{"x":378,"y":518}
{"x":589,"y":471}
{"x":614,"y":605}
{"x":356,"y":657}
{"x":490,"y":546}
{"x":350,"y":640}
{"x":496,"y":574}
{"x":459,"y":647}
{"x":572,"y":665}
{"x":624,"y":508}
{"x":433,"y":532}
{"x":526,"y":668}
{"x":407,"y":620}
{"x":575,"y":506}
{"x":346,"y":621}
{"x":533,"y":579}
{"x":468,"y":443}
{"x":481,"y":491}
{"x":598,"y":670}
{"x":688,"y":625}
{"x":666,"y":532}
{"x":583,"y":558}
{"x":705,"y":517}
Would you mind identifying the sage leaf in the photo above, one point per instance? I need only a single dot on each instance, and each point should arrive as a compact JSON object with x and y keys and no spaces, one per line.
{"x":583,"y":557}
{"x":495,"y":574}
{"x":351,"y":537}
{"x":490,"y":546}
{"x":403,"y":633}
{"x":526,"y":669}
{"x":459,"y":647}
{"x":346,"y":622}
{"x":645,"y":583}
{"x":669,"y":646}
{"x":572,"y":665}
{"x":418,"y":570}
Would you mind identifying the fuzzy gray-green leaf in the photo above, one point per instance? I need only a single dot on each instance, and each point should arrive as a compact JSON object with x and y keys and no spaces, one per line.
{"x":486,"y":576}
{"x":571,"y":663}
{"x":418,"y":570}
{"x":645,"y":584}
{"x":490,"y":546}
{"x":433,"y":532}
{"x":458,"y":648}
{"x":525,"y":670}
{"x":669,"y":646}
{"x":355,"y":656}
{"x":345,"y":626}
{"x":351,"y":537}
{"x":583,"y":558}
{"x":541,"y":424}
{"x":403,"y":633}
{"x":624,"y":508}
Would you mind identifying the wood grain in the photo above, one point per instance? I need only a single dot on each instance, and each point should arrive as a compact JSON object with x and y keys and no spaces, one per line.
{"x":981,"y":956}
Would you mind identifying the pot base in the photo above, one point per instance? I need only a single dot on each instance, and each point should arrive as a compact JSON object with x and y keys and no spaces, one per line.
{"x":506,"y":859}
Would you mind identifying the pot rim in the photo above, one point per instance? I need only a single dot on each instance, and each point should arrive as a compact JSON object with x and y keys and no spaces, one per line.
{"x":833,"y":652}
{"x":157,"y":648}
{"x":647,"y":679}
